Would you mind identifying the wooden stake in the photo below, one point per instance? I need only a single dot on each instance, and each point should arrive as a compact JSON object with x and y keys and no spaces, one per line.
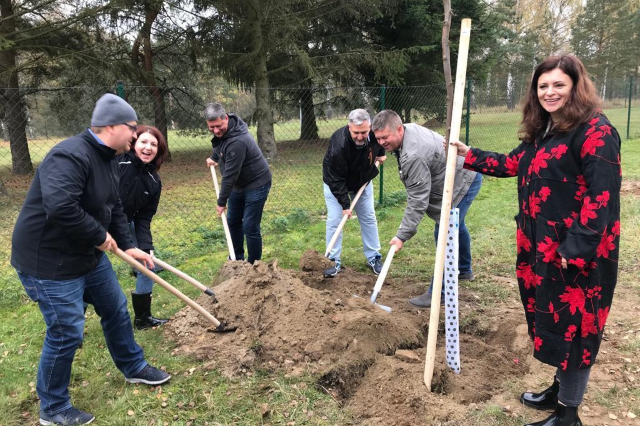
{"x":452,"y":156}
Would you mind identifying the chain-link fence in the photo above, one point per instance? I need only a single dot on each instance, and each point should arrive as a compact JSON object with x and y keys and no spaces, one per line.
{"x":32,"y":121}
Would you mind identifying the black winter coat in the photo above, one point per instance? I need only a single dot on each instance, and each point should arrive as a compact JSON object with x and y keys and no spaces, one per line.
{"x":72,"y":202}
{"x":346,"y":168}
{"x":241,"y":162}
{"x":140,"y":189}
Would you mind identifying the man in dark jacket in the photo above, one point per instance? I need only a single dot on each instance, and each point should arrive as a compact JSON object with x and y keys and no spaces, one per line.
{"x":348,"y":164}
{"x":246,"y":179}
{"x":71,"y":216}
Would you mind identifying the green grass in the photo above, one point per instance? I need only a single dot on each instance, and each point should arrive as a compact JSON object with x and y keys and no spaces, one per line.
{"x":189,"y":235}
{"x":489,"y":129}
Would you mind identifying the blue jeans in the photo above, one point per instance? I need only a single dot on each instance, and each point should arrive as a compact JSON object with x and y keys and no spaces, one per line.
{"x":366,"y":216}
{"x":61,"y":304}
{"x":144,"y":284}
{"x":464,"y":239}
{"x":244,"y":214}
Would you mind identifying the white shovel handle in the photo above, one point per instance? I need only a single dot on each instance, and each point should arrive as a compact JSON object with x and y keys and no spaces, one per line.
{"x":225,"y":225}
{"x":383,"y":273}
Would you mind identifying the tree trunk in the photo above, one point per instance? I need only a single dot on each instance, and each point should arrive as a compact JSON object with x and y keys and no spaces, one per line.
{"x":144,"y":62}
{"x":263,"y":114}
{"x":15,"y":114}
{"x":308,"y":127}
{"x":446,"y":62}
{"x":3,"y":189}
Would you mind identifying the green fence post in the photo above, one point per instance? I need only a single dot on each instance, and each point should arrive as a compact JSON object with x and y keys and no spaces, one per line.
{"x":383,"y":92}
{"x":629,"y":107}
{"x":120,"y":88}
{"x":466,"y":137}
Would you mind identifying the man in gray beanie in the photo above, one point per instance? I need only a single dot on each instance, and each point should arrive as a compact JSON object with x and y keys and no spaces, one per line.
{"x":71,"y":216}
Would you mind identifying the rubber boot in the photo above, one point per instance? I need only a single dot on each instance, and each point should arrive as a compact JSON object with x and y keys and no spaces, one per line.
{"x":142,"y":310}
{"x":545,"y":400}
{"x":562,"y":416}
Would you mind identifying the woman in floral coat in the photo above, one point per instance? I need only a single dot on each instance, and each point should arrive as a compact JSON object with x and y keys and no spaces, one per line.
{"x":568,"y":226}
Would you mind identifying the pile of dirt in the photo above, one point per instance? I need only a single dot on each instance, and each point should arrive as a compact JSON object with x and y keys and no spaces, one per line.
{"x":370,"y":360}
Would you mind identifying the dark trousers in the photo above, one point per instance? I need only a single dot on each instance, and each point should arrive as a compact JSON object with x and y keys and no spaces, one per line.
{"x":244,"y":214}
{"x":573,"y":382}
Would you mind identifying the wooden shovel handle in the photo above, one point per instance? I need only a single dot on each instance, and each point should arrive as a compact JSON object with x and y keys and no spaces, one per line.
{"x":141,"y":268}
{"x":182,"y":275}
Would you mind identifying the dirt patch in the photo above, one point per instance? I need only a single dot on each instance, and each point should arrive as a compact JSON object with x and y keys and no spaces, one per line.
{"x":369,"y":360}
{"x":630,"y":187}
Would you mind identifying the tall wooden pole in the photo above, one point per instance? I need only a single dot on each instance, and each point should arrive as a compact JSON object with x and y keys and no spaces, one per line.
{"x":452,"y":155}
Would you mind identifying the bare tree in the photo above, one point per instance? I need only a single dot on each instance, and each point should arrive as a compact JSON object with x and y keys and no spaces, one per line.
{"x":446,"y":62}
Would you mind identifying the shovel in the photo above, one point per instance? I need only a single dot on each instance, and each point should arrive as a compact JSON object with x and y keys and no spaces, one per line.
{"x":185,"y":277}
{"x":334,"y":238}
{"x":219,"y":327}
{"x":225,"y":225}
{"x":381,"y":277}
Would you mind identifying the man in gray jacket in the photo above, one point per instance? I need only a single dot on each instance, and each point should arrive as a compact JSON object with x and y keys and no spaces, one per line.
{"x":421,"y":165}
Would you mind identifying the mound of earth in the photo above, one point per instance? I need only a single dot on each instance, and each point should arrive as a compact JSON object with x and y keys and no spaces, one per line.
{"x":370,"y":360}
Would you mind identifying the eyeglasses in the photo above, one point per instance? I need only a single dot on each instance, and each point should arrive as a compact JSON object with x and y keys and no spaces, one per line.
{"x":132,"y":128}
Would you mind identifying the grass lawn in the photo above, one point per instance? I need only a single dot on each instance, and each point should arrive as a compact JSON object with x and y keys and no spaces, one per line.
{"x":189,"y":236}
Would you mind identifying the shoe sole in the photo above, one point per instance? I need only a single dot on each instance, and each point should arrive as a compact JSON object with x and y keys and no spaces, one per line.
{"x":537,"y":407}
{"x":146,"y":382}
{"x":44,"y":422}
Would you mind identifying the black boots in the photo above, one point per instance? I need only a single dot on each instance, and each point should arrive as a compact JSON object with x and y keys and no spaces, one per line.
{"x":142,"y":311}
{"x":545,"y":400}
{"x":563,"y":416}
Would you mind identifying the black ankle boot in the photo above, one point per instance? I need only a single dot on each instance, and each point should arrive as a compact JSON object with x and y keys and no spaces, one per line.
{"x":142,"y":310}
{"x":563,"y":416}
{"x":545,"y":400}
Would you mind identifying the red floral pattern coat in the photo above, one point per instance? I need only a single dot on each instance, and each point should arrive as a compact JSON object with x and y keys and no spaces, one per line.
{"x":569,"y":206}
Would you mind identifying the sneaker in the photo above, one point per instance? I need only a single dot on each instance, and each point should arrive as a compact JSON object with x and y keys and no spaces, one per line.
{"x":72,"y":416}
{"x":375,"y":265}
{"x":149,"y":376}
{"x":466,"y":276}
{"x":333,"y":271}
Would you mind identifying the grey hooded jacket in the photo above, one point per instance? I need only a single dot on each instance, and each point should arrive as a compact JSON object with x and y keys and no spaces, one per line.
{"x":422,"y":164}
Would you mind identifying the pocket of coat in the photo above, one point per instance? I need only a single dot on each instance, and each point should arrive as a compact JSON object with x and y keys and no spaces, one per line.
{"x":549,"y":235}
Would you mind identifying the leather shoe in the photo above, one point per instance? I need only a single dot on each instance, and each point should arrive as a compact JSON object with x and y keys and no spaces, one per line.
{"x":545,"y":400}
{"x":424,"y":300}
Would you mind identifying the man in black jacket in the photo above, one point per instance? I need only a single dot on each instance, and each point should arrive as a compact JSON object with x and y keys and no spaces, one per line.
{"x":72,"y":214}
{"x":348,"y":164}
{"x":246,"y":179}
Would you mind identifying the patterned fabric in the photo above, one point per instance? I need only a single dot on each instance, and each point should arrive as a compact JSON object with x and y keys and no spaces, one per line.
{"x":569,"y":207}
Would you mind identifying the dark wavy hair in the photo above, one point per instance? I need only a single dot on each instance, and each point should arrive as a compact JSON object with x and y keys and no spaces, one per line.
{"x":582,"y":105}
{"x":163,"y":148}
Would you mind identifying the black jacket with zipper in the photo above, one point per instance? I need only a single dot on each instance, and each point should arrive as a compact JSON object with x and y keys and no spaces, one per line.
{"x":140,"y":189}
{"x":346,"y":168}
{"x":240,"y":159}
{"x":72,"y":203}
